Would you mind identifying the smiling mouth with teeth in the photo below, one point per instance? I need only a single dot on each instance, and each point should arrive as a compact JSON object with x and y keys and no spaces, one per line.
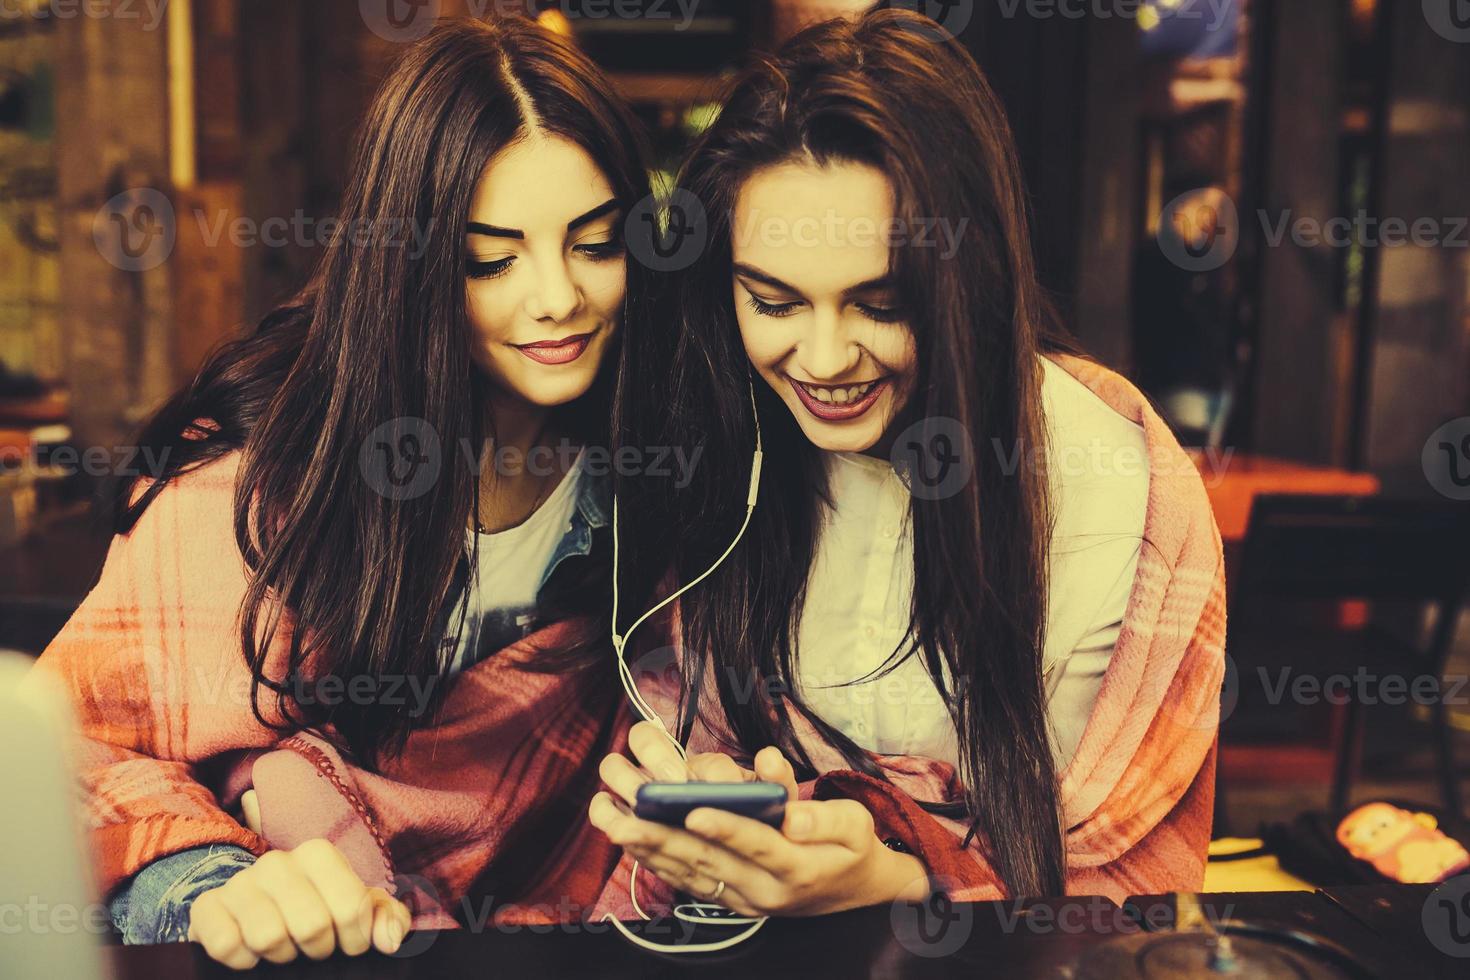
{"x":838,"y":402}
{"x":842,"y":395}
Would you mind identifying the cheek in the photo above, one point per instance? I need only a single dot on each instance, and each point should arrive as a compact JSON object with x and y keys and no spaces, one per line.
{"x":764,"y":342}
{"x":489,"y":310}
{"x":605,"y":285}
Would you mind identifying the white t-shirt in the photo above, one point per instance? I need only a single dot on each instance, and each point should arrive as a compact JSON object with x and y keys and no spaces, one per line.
{"x":511,"y":564}
{"x":859,"y":594}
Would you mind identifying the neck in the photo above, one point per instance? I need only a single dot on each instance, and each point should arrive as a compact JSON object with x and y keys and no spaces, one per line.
{"x":517,"y":424}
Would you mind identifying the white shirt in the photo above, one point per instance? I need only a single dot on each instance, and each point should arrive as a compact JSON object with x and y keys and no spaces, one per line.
{"x":861,"y":584}
{"x":503,"y":585}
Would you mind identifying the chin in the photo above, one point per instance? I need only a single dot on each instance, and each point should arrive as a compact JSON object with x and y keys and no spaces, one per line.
{"x":556,"y":394}
{"x":838,"y":439}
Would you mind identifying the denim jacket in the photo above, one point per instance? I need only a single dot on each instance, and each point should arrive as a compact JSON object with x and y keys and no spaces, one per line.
{"x":153,"y":906}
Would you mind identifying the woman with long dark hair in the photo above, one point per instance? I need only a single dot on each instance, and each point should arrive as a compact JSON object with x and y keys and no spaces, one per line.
{"x":386,"y":481}
{"x":965,"y":539}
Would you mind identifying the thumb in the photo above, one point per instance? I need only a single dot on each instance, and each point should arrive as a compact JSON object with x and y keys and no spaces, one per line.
{"x":773,"y":767}
{"x":251,"y":805}
{"x":390,"y":921}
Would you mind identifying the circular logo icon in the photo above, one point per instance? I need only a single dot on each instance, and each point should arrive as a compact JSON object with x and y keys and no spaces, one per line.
{"x":934,"y":457}
{"x":1450,"y":19}
{"x":401,"y":458}
{"x":399,"y":21}
{"x":949,"y":17}
{"x":657,"y":673}
{"x":1446,"y":459}
{"x":1199,"y":230}
{"x":136,"y":230}
{"x":669,"y":238}
{"x":935,"y":927}
{"x":420,"y":895}
{"x":1446,"y":916}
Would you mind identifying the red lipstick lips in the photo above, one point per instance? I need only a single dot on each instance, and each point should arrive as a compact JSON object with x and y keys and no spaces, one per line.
{"x":830,"y":412}
{"x":563,"y":351}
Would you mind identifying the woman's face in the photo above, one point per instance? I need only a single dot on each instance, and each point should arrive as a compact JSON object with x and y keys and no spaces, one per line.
{"x":820,"y":319}
{"x":546,"y":270}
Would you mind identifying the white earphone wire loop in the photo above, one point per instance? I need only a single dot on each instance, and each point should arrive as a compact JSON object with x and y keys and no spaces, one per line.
{"x":702,"y":913}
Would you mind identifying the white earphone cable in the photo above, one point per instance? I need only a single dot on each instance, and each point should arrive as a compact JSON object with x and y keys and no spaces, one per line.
{"x":703,"y":913}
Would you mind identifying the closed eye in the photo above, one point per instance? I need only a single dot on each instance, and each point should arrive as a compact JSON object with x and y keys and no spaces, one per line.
{"x":882,"y":314}
{"x":488,"y":270}
{"x":772,"y":309}
{"x":601,"y":251}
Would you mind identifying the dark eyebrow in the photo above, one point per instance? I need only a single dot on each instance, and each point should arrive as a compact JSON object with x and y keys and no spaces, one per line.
{"x":605,"y":208}
{"x":751,"y":272}
{"x":480,"y":228}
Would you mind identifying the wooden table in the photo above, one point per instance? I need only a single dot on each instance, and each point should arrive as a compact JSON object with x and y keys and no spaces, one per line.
{"x":1234,"y":480}
{"x":1383,"y":927}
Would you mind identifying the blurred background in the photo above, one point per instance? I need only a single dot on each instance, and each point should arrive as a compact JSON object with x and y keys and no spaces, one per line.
{"x":1255,"y":209}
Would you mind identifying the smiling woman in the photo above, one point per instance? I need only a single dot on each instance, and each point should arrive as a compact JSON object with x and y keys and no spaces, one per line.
{"x":315,"y":466}
{"x":916,"y":655}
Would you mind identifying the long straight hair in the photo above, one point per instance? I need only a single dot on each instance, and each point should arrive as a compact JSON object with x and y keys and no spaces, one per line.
{"x":879,"y":91}
{"x":381,"y":334}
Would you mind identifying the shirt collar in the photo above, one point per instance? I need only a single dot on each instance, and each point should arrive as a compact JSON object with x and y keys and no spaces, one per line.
{"x":594,"y":499}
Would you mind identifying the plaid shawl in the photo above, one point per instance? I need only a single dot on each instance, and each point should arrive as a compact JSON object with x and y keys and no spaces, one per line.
{"x":484,"y":813}
{"x":1137,"y":797}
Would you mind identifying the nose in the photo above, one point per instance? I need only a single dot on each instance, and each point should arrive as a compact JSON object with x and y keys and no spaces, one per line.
{"x":555,"y":297}
{"x":827,"y":352}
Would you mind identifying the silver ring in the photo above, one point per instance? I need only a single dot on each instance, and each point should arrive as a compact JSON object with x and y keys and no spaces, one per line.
{"x":719,"y":890}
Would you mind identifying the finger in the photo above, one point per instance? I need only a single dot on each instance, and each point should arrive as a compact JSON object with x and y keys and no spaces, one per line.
{"x":717,"y":767}
{"x":845,"y":822}
{"x":751,"y":840}
{"x":305,"y":912}
{"x":262,"y":927}
{"x":621,"y":776}
{"x":339,"y":886}
{"x":773,"y":767}
{"x":656,"y":753}
{"x":391,"y":919}
{"x":686,"y":879}
{"x":250,"y":804}
{"x":705,"y":857}
{"x":213,"y":927}
{"x":606,"y":813}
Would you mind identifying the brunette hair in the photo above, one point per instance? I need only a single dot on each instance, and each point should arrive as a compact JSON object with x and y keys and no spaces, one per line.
{"x":379,"y":334}
{"x":884,"y":91}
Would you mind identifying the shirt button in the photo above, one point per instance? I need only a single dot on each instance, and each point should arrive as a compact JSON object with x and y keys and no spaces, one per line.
{"x":889,"y":530}
{"x":869,"y":632}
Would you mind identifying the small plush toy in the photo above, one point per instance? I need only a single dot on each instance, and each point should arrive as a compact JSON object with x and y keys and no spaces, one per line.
{"x":1402,"y":846}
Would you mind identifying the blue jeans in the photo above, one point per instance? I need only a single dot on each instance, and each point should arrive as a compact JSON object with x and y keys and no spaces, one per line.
{"x":153,"y":907}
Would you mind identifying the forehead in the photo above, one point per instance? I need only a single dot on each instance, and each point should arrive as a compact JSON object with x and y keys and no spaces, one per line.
{"x":538,"y":181}
{"x":822,"y":229}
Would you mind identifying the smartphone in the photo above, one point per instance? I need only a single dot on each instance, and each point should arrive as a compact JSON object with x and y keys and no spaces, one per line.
{"x":670,"y":803}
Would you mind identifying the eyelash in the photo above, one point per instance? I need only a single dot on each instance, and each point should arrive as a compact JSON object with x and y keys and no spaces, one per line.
{"x":778,"y":310}
{"x":596,"y":251}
